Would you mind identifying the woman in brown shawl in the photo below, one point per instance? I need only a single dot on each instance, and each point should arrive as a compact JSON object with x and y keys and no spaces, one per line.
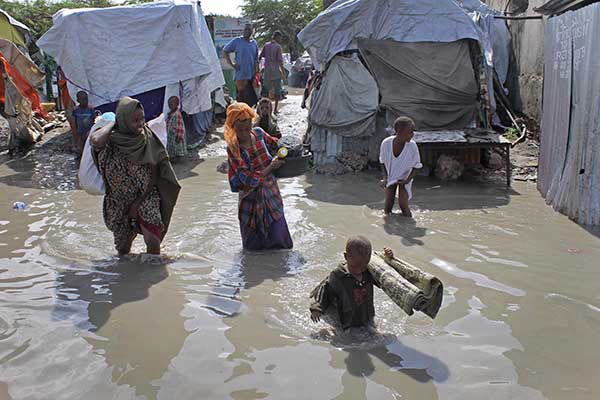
{"x":141,"y":186}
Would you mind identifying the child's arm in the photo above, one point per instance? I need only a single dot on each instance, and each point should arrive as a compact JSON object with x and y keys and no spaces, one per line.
{"x":323,"y":299}
{"x":410,"y":177}
{"x":269,"y":139}
{"x":384,"y":178}
{"x":74,"y":122}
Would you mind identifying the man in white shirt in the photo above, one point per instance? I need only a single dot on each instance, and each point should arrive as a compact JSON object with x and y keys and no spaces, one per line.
{"x":399,"y":156}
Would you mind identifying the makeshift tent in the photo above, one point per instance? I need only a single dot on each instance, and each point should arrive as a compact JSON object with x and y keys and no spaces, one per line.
{"x":431,"y":59}
{"x":569,"y":170}
{"x":433,"y":83}
{"x":24,"y":130}
{"x":22,"y":63}
{"x":23,"y":85}
{"x":13,"y":30}
{"x":130,"y":50}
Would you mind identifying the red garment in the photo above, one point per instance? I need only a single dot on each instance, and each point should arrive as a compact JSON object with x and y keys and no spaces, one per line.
{"x":64,"y":90}
{"x":24,"y":87}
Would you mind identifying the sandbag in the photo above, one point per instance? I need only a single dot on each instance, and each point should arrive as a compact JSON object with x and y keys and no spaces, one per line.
{"x":90,"y":178}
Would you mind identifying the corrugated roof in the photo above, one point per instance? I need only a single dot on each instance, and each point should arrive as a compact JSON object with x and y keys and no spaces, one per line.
{"x":554,"y":7}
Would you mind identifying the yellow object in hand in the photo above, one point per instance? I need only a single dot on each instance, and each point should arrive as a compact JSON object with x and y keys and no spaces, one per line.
{"x":282,"y":152}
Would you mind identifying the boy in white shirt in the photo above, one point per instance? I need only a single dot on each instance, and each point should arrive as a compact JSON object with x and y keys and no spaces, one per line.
{"x":399,"y":156}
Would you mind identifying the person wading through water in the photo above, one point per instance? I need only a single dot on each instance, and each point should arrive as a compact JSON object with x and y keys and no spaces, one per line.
{"x":141,"y":186}
{"x":246,"y":65}
{"x":262,"y":222}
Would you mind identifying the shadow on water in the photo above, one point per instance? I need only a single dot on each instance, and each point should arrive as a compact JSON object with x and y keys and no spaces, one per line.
{"x":348,"y":189}
{"x":249,"y":270}
{"x":130,"y":325}
{"x":103,"y":290}
{"x":406,"y":228}
{"x":399,"y":360}
{"x":432,"y":194}
{"x":428,"y":193}
{"x":359,"y":362}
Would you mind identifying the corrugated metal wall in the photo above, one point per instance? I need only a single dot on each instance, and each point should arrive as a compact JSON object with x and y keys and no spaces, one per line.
{"x":569,"y":172}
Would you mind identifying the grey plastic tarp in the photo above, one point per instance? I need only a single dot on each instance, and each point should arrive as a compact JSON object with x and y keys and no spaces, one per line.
{"x":348,"y":99}
{"x":433,"y":83}
{"x":569,"y":168}
{"x":337,"y":28}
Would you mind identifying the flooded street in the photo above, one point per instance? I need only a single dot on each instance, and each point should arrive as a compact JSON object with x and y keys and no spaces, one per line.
{"x":520,"y":318}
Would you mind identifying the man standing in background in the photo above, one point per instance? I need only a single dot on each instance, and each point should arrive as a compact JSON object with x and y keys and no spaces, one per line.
{"x":246,"y":62}
{"x":274,"y":71}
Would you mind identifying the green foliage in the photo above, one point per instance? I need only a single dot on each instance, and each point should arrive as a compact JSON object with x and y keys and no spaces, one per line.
{"x":287,"y":16}
{"x":512,"y":134}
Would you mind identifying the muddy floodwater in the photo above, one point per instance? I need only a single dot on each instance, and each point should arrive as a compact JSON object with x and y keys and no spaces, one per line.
{"x":520,"y":319}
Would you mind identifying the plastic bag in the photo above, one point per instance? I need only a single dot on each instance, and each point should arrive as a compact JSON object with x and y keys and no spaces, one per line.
{"x":90,"y":178}
{"x":159,"y":126}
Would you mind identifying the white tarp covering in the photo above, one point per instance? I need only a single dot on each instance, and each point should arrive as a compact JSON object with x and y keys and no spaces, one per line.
{"x":196,"y":92}
{"x":336,"y":29}
{"x":569,"y":171}
{"x":118,"y":51}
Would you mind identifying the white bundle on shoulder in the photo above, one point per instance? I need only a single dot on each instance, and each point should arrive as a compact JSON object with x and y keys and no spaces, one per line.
{"x":90,"y":178}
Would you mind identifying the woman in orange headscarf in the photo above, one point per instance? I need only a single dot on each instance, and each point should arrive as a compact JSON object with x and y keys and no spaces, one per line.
{"x":262,"y":223}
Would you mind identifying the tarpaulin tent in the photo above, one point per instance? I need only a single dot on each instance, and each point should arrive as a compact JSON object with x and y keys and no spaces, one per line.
{"x":130,"y":50}
{"x":345,"y":105}
{"x":433,"y":83}
{"x":337,"y":28}
{"x":431,"y":58}
{"x":21,"y":62}
{"x":23,"y":85}
{"x":13,"y":30}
